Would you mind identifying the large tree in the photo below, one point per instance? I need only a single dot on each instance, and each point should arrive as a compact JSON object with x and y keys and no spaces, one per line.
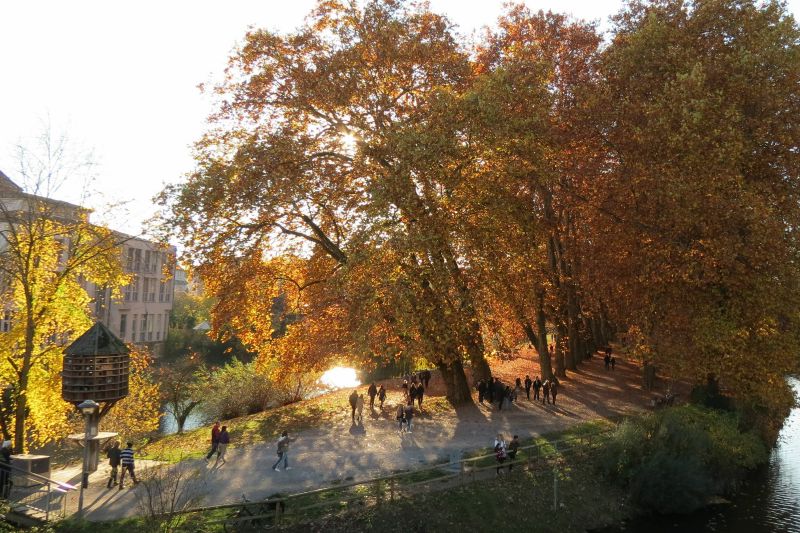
{"x":695,"y":209}
{"x":328,"y":145}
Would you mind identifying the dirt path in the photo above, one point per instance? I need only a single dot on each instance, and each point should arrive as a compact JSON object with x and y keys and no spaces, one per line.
{"x":343,"y":451}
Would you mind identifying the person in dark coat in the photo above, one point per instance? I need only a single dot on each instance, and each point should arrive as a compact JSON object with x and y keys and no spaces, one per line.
{"x":490,"y":390}
{"x":546,"y":391}
{"x":537,"y":385}
{"x":214,"y":440}
{"x":353,"y":399}
{"x":554,"y":390}
{"x":412,"y":393}
{"x":481,"y":390}
{"x":420,"y":394}
{"x":528,"y":385}
{"x":382,"y":396}
{"x":426,"y":376}
{"x":372,"y":392}
{"x":113,"y":454}
{"x":499,"y":392}
{"x":512,"y":448}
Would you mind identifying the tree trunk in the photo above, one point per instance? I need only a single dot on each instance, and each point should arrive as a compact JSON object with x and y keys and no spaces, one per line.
{"x":455,"y":381}
{"x":541,"y":347}
{"x":560,"y":367}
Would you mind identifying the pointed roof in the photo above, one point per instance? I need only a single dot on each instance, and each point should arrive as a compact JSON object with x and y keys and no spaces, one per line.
{"x":6,"y":185}
{"x":98,"y":340}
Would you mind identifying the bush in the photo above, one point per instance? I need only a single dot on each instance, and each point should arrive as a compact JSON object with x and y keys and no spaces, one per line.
{"x":236,"y":389}
{"x":674,"y":460}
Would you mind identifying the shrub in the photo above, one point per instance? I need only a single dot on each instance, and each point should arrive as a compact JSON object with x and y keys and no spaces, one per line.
{"x":674,"y":460}
{"x":236,"y":389}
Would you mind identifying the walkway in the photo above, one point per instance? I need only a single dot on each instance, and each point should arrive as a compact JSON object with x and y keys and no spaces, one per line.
{"x":342,"y":451}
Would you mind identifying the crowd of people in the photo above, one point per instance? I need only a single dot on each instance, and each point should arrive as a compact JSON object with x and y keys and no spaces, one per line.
{"x":493,"y":390}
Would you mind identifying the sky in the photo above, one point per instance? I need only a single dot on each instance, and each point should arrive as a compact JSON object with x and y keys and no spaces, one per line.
{"x":120,"y":79}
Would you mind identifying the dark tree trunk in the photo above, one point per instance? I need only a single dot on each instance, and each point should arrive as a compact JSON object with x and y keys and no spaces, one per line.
{"x":561,"y":370}
{"x":541,"y":347}
{"x":455,"y":381}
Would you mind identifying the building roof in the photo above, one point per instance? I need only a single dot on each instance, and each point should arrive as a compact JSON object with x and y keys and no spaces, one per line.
{"x":6,"y":185}
{"x":98,"y":340}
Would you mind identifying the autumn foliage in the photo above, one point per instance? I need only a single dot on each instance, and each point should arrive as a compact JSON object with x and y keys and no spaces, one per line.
{"x":402,"y":191}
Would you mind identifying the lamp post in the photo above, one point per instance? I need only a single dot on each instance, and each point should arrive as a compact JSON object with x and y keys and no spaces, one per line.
{"x":88,"y":408}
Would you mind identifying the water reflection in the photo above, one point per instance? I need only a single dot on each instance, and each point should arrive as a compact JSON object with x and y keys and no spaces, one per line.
{"x":340,"y":377}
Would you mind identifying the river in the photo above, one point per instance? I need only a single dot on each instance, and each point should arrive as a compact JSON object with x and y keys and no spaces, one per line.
{"x":768,"y":503}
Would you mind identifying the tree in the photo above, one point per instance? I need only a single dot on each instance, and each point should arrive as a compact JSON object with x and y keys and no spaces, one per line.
{"x":181,"y":391}
{"x":48,"y":251}
{"x":328,"y":145}
{"x":693,"y":214}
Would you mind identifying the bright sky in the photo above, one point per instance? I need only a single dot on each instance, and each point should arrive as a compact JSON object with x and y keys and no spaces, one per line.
{"x":121,"y":78}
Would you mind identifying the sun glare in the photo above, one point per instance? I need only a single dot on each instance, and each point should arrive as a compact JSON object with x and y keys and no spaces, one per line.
{"x":340,"y":377}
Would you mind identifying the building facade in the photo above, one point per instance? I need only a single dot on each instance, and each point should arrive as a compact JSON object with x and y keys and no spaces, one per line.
{"x":140,"y":314}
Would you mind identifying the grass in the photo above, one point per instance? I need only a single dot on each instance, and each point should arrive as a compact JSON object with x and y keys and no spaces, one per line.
{"x":267,"y":425}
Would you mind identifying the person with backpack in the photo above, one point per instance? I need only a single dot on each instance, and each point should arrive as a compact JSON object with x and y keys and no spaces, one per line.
{"x":372,"y":392}
{"x":499,"y":451}
{"x":283,"y":452}
{"x":528,"y":385}
{"x":113,"y":454}
{"x":382,"y":396}
{"x":128,"y":465}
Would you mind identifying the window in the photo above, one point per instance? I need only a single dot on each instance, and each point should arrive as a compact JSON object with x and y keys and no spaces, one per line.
{"x":143,"y":329}
{"x":123,"y":325}
{"x":132,"y":290}
{"x":147,"y":256}
{"x":134,"y":323}
{"x":129,"y":260}
{"x":168,"y":291}
{"x":150,"y":329}
{"x":5,"y":323}
{"x":158,"y":327}
{"x":151,"y":290}
{"x":137,"y":260}
{"x":161,"y":291}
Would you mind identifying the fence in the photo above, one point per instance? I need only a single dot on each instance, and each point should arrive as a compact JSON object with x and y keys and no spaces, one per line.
{"x":313,"y":504}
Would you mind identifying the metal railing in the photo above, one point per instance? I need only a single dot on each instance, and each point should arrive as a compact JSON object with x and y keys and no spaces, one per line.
{"x":319,"y":502}
{"x":36,"y":495}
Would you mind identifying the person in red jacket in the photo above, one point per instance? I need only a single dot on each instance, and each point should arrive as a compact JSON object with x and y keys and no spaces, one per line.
{"x":215,"y":431}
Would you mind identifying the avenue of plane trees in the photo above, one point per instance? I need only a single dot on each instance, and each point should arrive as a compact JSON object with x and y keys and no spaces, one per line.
{"x":412,"y":192}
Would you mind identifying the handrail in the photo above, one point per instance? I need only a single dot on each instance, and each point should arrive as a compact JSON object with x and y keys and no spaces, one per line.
{"x":42,"y":478}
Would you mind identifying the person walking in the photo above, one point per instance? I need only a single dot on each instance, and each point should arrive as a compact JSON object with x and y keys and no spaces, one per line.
{"x":426,"y":377}
{"x":404,"y":386}
{"x":113,"y":454}
{"x":409,"y":414}
{"x":420,"y":394}
{"x":412,"y":392}
{"x":224,"y":440}
{"x":500,"y":451}
{"x":401,"y":416}
{"x":214,"y":440}
{"x":613,"y":362}
{"x":359,"y":407}
{"x":5,"y":470}
{"x":353,"y":399}
{"x":528,"y":385}
{"x":283,"y":452}
{"x":537,"y":385}
{"x":372,"y":392}
{"x":382,"y":396}
{"x":481,"y":386}
{"x":554,"y":390}
{"x":128,"y":465}
{"x":513,"y":446}
{"x":546,"y":391}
